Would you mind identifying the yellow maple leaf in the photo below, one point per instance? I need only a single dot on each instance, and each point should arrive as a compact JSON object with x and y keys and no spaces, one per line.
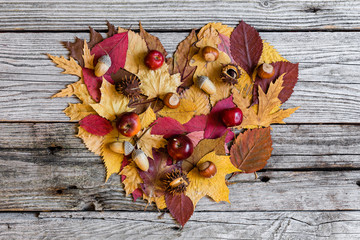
{"x":66,"y":92}
{"x":147,"y":117}
{"x":270,"y":55}
{"x":148,"y":141}
{"x":92,"y":142}
{"x":112,"y":103}
{"x":221,"y":28}
{"x":157,"y":83}
{"x":211,"y":69}
{"x":267,"y":111}
{"x":78,"y":111}
{"x":193,"y":102}
{"x":159,"y":201}
{"x":136,"y":52}
{"x":112,"y":160}
{"x":69,"y":66}
{"x":133,"y":179}
{"x":214,"y":187}
{"x":88,"y":58}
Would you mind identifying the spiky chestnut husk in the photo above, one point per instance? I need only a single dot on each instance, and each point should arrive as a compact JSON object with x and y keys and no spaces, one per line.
{"x":230,"y":74}
{"x":129,"y":86}
{"x":176,"y":182}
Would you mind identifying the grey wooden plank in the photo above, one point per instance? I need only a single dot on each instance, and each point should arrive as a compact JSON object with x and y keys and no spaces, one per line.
{"x":175,"y":15}
{"x":328,"y":87}
{"x":202,"y":225}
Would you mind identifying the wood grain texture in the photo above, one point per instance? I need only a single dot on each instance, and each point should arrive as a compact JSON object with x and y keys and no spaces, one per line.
{"x":174,"y":15}
{"x":328,"y":87}
{"x":202,"y":225}
{"x":44,"y":167}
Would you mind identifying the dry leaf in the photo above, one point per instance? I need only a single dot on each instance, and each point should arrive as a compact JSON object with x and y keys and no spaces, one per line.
{"x":132,"y":180}
{"x":158,"y":82}
{"x":79,"y":89}
{"x":152,"y":42}
{"x":223,"y":90}
{"x":219,"y":27}
{"x":136,"y":52}
{"x":78,"y":111}
{"x":210,"y":69}
{"x":112,"y":103}
{"x":70,"y":66}
{"x":251,"y":150}
{"x":147,"y":117}
{"x":148,"y":141}
{"x":214,"y":187}
{"x":112,"y":160}
{"x":180,"y":207}
{"x":268,"y":111}
{"x":92,"y":142}
{"x":182,"y":114}
{"x":159,"y":201}
{"x":270,"y":55}
{"x":198,"y":98}
{"x":88,"y":58}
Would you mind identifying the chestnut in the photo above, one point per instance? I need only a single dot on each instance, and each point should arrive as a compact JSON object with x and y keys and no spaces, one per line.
{"x":207,"y":169}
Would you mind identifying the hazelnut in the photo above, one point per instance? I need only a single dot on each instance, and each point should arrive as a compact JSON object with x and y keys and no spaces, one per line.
{"x":265,"y":71}
{"x":207,"y":169}
{"x":102,"y":66}
{"x":171,"y":100}
{"x":210,"y":54}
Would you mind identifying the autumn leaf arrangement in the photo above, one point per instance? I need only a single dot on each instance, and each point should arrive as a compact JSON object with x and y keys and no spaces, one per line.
{"x":177,"y":128}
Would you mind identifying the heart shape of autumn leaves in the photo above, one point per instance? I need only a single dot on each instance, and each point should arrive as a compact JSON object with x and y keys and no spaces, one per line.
{"x":130,"y":86}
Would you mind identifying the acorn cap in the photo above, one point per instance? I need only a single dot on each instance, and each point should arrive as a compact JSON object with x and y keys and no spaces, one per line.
{"x":128,"y":148}
{"x":105,"y":59}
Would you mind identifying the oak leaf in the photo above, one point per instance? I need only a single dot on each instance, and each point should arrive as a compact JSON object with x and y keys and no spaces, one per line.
{"x":112,"y":103}
{"x":69,"y":66}
{"x":136,"y":52}
{"x":76,"y":50}
{"x":184,"y":52}
{"x":92,"y":142}
{"x":88,"y":57}
{"x":132,"y":180}
{"x":214,"y":187}
{"x":78,"y":111}
{"x":96,"y":125}
{"x":79,"y":89}
{"x":251,"y":150}
{"x":158,"y":82}
{"x":95,"y":38}
{"x":180,"y":207}
{"x":246,"y":47}
{"x":111,"y":29}
{"x":152,"y":42}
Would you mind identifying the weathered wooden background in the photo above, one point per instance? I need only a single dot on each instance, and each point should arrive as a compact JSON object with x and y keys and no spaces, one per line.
{"x":51,"y":186}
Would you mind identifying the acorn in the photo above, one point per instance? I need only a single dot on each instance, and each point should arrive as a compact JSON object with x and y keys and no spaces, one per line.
{"x":265,"y":71}
{"x":206,"y":85}
{"x":140,"y":159}
{"x":210,"y":54}
{"x":207,"y":169}
{"x":123,"y":147}
{"x":103,"y":65}
{"x":171,"y":100}
{"x":230,"y":74}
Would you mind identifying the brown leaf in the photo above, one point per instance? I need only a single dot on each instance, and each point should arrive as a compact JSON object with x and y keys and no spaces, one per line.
{"x":246,"y":47}
{"x":95,"y":38}
{"x":204,"y":147}
{"x":180,"y":206}
{"x":184,"y":52}
{"x":251,"y":150}
{"x":152,"y":42}
{"x":76,"y":50}
{"x":111,"y":29}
